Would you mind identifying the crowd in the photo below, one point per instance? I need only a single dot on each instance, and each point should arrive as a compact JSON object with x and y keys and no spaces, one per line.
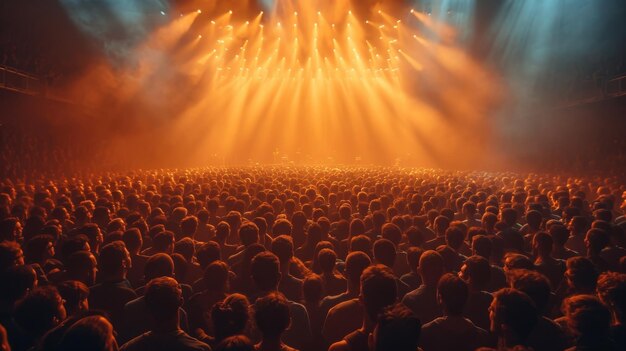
{"x":312,"y":259}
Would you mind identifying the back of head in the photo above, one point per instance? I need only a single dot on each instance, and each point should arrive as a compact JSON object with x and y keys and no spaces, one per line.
{"x":89,"y":333}
{"x":515,"y":311}
{"x":282,"y":247}
{"x":356,"y":262}
{"x":159,"y":265}
{"x":392,"y":232}
{"x":248,"y":233}
{"x":581,"y":273}
{"x":587,"y":316}
{"x":398,"y":329}
{"x":454,"y":237}
{"x":163,"y":297}
{"x":272,"y":315}
{"x":112,"y":259}
{"x":611,"y":289}
{"x":481,"y":245}
{"x":265,"y":270}
{"x":452,"y":292}
{"x":216,"y":276}
{"x":533,"y":284}
{"x":477,"y":270}
{"x":230,"y":316}
{"x":378,"y":289}
{"x":208,"y":252}
{"x":385,"y":252}
{"x":327,"y":259}
{"x":313,"y":288}
{"x":431,"y":267}
{"x":40,"y":310}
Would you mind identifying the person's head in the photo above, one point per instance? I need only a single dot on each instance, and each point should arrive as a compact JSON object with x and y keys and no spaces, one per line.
{"x":452,"y":293}
{"x":581,"y":275}
{"x":361,"y":243}
{"x":385,"y":252}
{"x":216,"y":276}
{"x":272,"y":315}
{"x":159,"y":265}
{"x":392,"y":233}
{"x":534,"y":218}
{"x":208,"y":252}
{"x":559,"y":234}
{"x":222,"y":230}
{"x":265,"y":270}
{"x":235,"y":343}
{"x":611,"y":289}
{"x":164,"y":242}
{"x":230,"y":316}
{"x":587,"y":317}
{"x":248,"y":233}
{"x":75,"y":295}
{"x":82,"y":266}
{"x":397,"y":329}
{"x":476,"y":271}
{"x":89,"y":333}
{"x":282,"y":247}
{"x":513,"y":316}
{"x":454,"y":237}
{"x":39,"y":311}
{"x":11,"y":254}
{"x":188,"y":226}
{"x":596,"y":240}
{"x":133,"y":240}
{"x":481,"y":246}
{"x":327,"y":259}
{"x":356,"y":262}
{"x":282,"y":227}
{"x":517,"y":261}
{"x":378,"y":290}
{"x":542,"y":244}
{"x":313,"y":288}
{"x":114,"y":261}
{"x":533,"y":284}
{"x":10,"y":229}
{"x":163,"y":297}
{"x":441,"y":224}
{"x":431,"y":267}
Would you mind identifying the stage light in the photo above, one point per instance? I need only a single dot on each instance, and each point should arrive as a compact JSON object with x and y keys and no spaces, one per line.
{"x":199,"y":11}
{"x":162,"y":13}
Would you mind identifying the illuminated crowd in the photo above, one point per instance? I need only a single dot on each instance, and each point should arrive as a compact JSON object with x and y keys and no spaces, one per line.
{"x":279,"y":258}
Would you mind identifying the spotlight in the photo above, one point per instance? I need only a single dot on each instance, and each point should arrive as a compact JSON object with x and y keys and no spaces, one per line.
{"x":199,"y":11}
{"x":162,"y":13}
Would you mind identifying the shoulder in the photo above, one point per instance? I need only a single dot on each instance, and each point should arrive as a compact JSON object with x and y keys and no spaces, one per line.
{"x":339,"y":346}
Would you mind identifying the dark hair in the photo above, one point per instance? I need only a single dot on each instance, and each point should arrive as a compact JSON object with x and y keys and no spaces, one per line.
{"x":89,"y":333}
{"x":587,"y":316}
{"x":582,"y":272}
{"x":431,"y":266}
{"x":313,"y":288}
{"x":453,"y":292}
{"x":516,"y":310}
{"x":216,"y":276}
{"x":378,"y":289}
{"x":208,"y":252}
{"x":159,"y":265}
{"x":356,"y":263}
{"x":112,"y":257}
{"x":533,"y":284}
{"x":36,"y":312}
{"x":398,"y":329}
{"x":282,"y":247}
{"x":163,"y":297}
{"x":73,"y":292}
{"x":327,"y":259}
{"x":248,"y":233}
{"x":230,"y":316}
{"x":272,"y":315}
{"x":133,"y":240}
{"x":265,"y":269}
{"x":385,"y":252}
{"x":478,"y":270}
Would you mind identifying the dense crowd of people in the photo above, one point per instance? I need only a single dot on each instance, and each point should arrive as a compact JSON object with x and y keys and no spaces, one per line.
{"x":312,"y":259}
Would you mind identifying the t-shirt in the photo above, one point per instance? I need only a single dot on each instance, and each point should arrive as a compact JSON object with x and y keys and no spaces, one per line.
{"x":176,"y":340}
{"x":453,"y":333}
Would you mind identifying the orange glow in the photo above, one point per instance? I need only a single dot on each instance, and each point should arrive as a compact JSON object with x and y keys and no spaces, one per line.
{"x":322,"y":84}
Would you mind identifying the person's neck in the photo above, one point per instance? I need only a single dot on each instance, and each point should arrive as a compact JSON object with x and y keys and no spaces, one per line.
{"x":163,"y":326}
{"x":284,"y":269}
{"x":353,"y":289}
{"x":271,"y":344}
